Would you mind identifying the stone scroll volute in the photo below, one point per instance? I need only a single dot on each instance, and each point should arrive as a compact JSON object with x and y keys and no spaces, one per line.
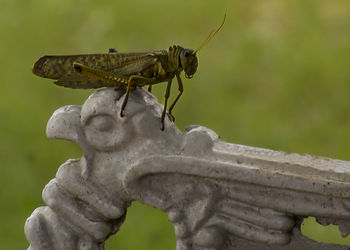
{"x":217,"y":195}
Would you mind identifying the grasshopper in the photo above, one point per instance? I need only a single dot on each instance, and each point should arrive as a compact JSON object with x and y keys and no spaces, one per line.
{"x":126,"y":70}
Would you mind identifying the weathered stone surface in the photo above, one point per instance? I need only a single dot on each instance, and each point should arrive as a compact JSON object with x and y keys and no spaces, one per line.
{"x":217,"y":195}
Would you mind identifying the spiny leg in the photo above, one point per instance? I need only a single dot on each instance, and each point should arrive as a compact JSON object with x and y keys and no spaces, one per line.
{"x":181,"y":90}
{"x":133,"y":82}
{"x":166,"y":97}
{"x":113,"y":80}
{"x":126,"y":97}
{"x":109,"y":79}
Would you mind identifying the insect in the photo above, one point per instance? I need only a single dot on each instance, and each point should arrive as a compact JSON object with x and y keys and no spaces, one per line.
{"x":127,"y":70}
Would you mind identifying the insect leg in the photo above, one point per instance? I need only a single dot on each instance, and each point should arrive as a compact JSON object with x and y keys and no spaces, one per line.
{"x":135,"y":80}
{"x":166,"y":97}
{"x":181,"y":90}
{"x":109,"y":79}
{"x":125,"y":101}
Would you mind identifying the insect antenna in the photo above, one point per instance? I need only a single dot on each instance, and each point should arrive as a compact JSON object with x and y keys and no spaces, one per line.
{"x":210,"y":36}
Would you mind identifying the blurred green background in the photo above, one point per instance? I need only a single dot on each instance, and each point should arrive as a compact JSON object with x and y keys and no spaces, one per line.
{"x":276,"y":76}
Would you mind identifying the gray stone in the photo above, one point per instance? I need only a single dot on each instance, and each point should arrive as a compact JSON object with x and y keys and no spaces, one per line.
{"x":218,"y":195}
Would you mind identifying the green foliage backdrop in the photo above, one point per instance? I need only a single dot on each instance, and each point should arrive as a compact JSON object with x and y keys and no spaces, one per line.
{"x":277,"y":76}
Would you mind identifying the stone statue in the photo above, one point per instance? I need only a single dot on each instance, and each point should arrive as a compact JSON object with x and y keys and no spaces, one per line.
{"x":217,"y":195}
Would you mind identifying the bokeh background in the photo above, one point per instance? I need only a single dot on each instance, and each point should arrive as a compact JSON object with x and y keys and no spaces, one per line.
{"x":276,"y":76}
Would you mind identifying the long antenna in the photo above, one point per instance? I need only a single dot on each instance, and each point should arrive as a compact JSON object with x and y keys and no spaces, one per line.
{"x":210,"y":36}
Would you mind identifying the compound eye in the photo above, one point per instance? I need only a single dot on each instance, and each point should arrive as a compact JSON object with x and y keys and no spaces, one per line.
{"x":187,"y":53}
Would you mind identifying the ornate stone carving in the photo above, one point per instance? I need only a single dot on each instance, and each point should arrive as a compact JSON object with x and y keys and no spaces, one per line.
{"x":217,"y":195}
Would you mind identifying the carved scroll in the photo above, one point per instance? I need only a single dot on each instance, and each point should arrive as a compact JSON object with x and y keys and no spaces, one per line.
{"x":217,"y":195}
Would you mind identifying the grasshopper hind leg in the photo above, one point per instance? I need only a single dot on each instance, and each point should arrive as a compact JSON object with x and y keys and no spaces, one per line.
{"x":133,"y":82}
{"x":125,"y":101}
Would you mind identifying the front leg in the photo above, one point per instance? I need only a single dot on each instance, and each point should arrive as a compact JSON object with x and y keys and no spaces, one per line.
{"x":181,"y":90}
{"x":166,"y":97}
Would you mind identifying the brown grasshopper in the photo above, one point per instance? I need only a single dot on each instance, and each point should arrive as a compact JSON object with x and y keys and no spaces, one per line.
{"x":127,"y":70}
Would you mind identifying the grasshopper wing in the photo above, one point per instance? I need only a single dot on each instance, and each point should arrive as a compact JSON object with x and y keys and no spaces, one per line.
{"x":133,"y":63}
{"x":60,"y":68}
